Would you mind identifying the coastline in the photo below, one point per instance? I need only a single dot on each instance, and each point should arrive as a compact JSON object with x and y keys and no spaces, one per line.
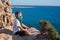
{"x":30,"y":6}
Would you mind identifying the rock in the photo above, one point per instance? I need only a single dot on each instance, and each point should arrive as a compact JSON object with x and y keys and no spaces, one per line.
{"x":5,"y":37}
{"x":6,"y":14}
{"x":31,"y":37}
{"x":6,"y":20}
{"x":23,"y":38}
{"x":34,"y":31}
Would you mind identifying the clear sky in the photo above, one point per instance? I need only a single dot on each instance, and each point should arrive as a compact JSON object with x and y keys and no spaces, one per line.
{"x":36,"y":2}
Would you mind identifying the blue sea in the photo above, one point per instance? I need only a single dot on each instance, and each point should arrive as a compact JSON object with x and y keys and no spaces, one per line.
{"x":32,"y":16}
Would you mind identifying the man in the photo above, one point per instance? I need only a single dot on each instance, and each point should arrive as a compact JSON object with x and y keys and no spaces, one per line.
{"x":19,"y":28}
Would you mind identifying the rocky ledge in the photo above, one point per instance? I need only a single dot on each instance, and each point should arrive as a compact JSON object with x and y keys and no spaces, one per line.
{"x":6,"y":34}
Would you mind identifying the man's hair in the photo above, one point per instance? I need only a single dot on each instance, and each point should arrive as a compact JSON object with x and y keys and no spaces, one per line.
{"x":16,"y":13}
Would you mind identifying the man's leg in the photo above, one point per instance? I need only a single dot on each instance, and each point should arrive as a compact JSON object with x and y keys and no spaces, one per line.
{"x":20,"y":33}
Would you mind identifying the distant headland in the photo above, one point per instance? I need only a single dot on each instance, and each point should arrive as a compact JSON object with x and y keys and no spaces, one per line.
{"x":30,"y":6}
{"x":22,"y":6}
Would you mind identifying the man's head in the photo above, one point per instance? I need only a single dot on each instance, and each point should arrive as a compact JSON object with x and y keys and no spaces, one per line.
{"x":18,"y":14}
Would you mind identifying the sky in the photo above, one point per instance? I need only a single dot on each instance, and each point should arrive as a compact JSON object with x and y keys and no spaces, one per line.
{"x":36,"y":2}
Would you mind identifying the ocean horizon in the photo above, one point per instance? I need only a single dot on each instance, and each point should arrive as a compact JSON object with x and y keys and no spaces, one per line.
{"x":33,"y":14}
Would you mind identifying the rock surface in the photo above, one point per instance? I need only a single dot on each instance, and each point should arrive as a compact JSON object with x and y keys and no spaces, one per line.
{"x":6,"y":20}
{"x":6,"y":16}
{"x":31,"y":37}
{"x":6,"y":34}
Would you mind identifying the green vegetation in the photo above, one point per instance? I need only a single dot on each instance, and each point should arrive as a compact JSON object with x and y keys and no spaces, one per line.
{"x":52,"y":32}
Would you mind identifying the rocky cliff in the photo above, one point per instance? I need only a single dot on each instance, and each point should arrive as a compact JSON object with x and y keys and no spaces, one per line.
{"x":6,"y":20}
{"x":6,"y":16}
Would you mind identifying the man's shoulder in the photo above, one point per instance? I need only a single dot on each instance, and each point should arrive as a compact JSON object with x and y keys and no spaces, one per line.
{"x":16,"y":19}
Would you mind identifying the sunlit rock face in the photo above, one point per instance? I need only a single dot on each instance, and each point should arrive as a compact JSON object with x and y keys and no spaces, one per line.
{"x":6,"y":20}
{"x":6,"y":16}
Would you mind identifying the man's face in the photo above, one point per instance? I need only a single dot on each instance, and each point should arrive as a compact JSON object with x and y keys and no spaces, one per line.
{"x":20,"y":15}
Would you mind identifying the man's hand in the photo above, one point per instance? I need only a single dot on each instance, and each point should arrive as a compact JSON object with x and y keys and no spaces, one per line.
{"x":23,"y":28}
{"x":26,"y":29}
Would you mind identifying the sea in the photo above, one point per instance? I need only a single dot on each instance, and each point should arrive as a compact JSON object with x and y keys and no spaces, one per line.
{"x":33,"y":14}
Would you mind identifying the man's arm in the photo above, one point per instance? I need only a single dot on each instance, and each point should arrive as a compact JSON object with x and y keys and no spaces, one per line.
{"x":24,"y":29}
{"x":18,"y":25}
{"x":24,"y":26}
